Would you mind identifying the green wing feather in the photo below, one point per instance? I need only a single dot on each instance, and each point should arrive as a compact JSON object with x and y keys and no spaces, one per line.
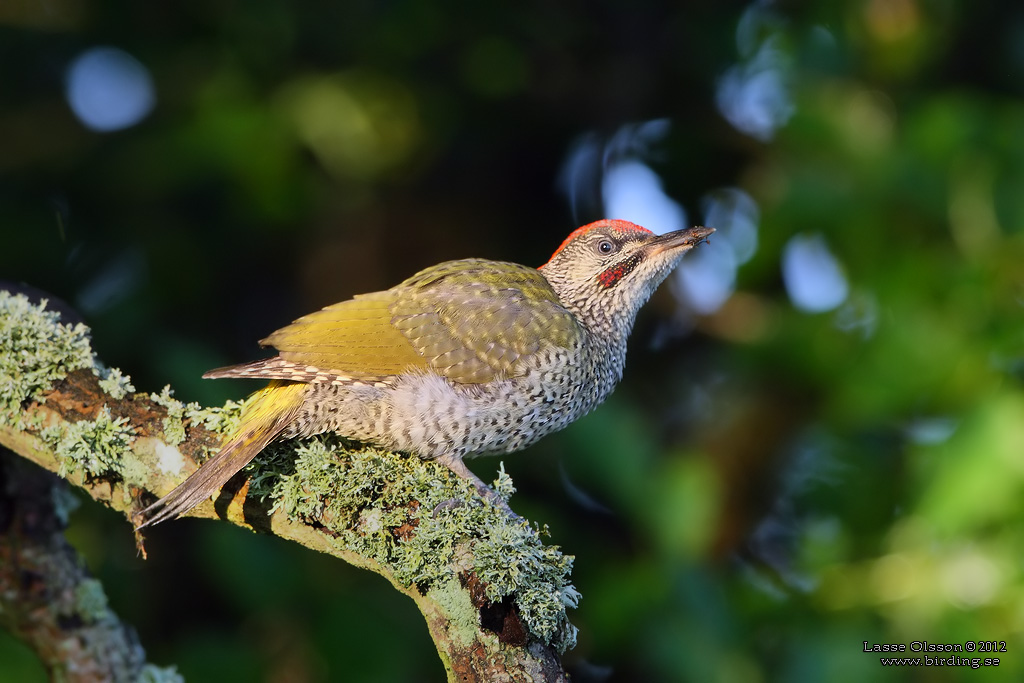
{"x":353,"y":338}
{"x":470,"y":321}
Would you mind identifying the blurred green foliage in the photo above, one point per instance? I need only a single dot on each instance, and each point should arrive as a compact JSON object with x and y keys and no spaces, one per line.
{"x":768,"y":489}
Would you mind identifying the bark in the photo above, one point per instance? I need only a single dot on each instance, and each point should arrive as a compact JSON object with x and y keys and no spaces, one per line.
{"x":47,"y":597}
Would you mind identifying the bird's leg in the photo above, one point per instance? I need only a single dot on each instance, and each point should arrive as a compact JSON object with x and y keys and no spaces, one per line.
{"x":456,"y":465}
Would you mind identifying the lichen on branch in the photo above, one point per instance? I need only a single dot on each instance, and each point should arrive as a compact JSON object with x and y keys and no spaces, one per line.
{"x":36,"y":350}
{"x":472,"y":568}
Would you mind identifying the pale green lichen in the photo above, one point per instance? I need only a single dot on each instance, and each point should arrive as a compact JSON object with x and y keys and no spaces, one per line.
{"x":165,"y":398}
{"x":157,"y":674}
{"x":220,"y":419}
{"x":503,"y":486}
{"x":91,"y":601}
{"x":511,"y":562}
{"x":173,"y":423}
{"x":116,"y":384}
{"x":97,"y":446}
{"x":454,"y":599}
{"x":64,"y":501}
{"x":36,"y":350}
{"x":409,"y":515}
{"x":91,"y":607}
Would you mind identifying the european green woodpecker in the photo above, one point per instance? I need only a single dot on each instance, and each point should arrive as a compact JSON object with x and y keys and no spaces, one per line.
{"x":468,"y":357}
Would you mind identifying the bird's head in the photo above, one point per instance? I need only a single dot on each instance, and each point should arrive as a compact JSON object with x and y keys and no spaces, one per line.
{"x":605,"y":271}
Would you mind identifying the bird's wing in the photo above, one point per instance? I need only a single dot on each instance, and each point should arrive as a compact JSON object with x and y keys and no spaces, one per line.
{"x":353,"y":338}
{"x":469,"y":321}
{"x":477,"y":320}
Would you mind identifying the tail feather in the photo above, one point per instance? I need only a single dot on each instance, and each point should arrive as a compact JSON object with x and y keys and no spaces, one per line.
{"x":270,"y":412}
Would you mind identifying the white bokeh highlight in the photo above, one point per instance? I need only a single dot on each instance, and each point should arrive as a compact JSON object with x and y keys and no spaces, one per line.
{"x":813,"y":276}
{"x":753,"y":94}
{"x":707,"y":276}
{"x":633,"y":192}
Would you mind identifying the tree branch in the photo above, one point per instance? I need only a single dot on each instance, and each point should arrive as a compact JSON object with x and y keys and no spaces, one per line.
{"x":47,"y":597}
{"x":493,"y":596}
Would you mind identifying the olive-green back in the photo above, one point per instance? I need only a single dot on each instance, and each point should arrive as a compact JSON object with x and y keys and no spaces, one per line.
{"x":470,"y":321}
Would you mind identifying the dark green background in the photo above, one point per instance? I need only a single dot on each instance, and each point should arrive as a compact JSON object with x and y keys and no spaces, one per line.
{"x":770,"y":487}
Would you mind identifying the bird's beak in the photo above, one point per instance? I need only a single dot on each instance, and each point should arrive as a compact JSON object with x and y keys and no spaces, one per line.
{"x":688,"y":237}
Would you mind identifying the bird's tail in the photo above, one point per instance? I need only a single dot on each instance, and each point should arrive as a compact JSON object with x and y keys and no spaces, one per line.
{"x":268,"y":413}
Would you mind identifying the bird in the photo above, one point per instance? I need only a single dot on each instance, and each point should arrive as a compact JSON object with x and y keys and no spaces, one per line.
{"x":464,"y":358}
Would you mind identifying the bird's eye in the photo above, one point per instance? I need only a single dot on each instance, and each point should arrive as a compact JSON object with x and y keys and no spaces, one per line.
{"x":605,"y":247}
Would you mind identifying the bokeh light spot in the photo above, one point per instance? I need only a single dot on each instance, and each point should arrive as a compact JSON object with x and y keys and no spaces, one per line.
{"x":108,"y":89}
{"x":892,"y":20}
{"x":633,"y":192}
{"x":707,"y":277}
{"x":359,"y":124}
{"x":752,"y":95}
{"x":971,"y":579}
{"x":813,"y":277}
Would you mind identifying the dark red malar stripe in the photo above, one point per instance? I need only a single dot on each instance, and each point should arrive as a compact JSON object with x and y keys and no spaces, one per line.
{"x":611,"y":276}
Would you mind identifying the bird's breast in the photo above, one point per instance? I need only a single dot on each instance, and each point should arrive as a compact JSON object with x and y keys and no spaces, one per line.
{"x":426,"y":413}
{"x":431,"y":416}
